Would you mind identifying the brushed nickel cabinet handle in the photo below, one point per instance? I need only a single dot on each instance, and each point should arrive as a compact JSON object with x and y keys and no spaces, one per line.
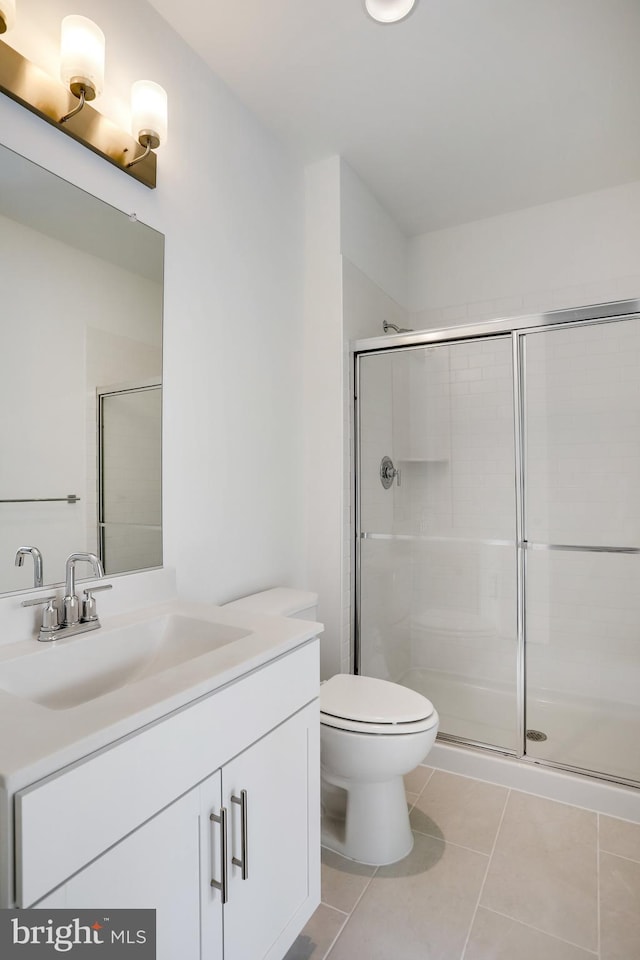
{"x":243,"y":861}
{"x":223,"y":883}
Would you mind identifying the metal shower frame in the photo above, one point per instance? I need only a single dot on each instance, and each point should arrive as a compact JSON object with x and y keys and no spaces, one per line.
{"x":517,"y":328}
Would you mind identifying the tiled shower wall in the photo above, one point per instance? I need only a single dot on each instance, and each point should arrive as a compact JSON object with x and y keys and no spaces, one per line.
{"x":569,"y":253}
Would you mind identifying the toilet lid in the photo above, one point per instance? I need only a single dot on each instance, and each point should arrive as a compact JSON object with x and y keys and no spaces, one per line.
{"x":369,"y":700}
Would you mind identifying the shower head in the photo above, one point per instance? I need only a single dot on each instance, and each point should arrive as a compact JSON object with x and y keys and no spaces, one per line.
{"x":386,"y":326}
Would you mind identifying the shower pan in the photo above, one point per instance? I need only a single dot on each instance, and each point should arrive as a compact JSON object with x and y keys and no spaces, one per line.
{"x":498,"y":531}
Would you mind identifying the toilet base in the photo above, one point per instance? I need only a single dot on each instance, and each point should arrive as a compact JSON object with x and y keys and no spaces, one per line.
{"x":366,"y":822}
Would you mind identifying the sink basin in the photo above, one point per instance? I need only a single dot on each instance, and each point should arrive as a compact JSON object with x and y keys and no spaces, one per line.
{"x":65,"y":675}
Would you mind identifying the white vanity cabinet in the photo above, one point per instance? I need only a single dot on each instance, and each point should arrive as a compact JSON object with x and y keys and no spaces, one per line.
{"x":274,"y":773}
{"x":157,"y":866}
{"x":120,"y":831}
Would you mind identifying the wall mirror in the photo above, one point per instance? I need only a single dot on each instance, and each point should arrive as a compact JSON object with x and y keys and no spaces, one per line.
{"x":80,"y":378}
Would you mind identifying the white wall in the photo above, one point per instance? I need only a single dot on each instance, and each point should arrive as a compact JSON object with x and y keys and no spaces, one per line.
{"x":366,"y":305}
{"x":355,"y":276}
{"x":374,"y":289}
{"x":564,"y":254}
{"x":323,"y":411}
{"x":370,"y":238}
{"x":229,"y":201}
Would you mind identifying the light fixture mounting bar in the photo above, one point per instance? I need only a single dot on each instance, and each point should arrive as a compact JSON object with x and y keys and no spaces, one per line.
{"x":31,"y":87}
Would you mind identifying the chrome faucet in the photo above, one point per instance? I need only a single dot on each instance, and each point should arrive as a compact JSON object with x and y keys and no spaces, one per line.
{"x":71,"y":603}
{"x":36,"y":556}
{"x":76,"y":617}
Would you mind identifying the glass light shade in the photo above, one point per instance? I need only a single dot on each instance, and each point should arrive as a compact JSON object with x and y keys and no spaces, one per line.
{"x":7,"y":14}
{"x":149,"y":111}
{"x":82,"y":56}
{"x":389,"y":11}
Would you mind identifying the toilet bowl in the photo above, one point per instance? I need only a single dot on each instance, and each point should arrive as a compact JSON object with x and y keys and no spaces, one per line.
{"x":372,"y":732}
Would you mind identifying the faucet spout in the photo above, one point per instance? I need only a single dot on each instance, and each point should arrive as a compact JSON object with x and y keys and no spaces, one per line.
{"x":71,"y":604}
{"x":36,"y":556}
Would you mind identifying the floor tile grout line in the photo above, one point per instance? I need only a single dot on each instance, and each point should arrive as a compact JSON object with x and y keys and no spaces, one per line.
{"x":362,"y":893}
{"x":335,"y":939}
{"x":620,"y":856}
{"x":325,"y":903}
{"x":484,"y":879}
{"x":540,"y":796}
{"x":452,"y":843}
{"x":552,"y":936}
{"x":365,"y":888}
{"x":419,"y":793}
{"x":349,"y":915}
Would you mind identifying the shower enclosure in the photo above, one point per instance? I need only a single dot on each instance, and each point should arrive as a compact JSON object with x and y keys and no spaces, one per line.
{"x":498,"y":531}
{"x":129,"y":477}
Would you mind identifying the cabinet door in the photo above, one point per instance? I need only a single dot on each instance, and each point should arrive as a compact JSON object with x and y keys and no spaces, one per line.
{"x":158,"y":867}
{"x":280,"y":774}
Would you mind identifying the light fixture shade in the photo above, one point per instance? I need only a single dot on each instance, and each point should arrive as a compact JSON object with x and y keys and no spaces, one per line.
{"x":7,"y":14}
{"x":149,"y":113}
{"x":389,"y":11}
{"x":82,"y":56}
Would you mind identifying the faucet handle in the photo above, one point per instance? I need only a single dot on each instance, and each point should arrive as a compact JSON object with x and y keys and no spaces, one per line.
{"x":50,"y":624}
{"x":36,"y":601}
{"x":89,"y":611}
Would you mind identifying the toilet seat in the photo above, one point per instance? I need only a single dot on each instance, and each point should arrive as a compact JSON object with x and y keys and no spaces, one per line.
{"x":369,"y":705}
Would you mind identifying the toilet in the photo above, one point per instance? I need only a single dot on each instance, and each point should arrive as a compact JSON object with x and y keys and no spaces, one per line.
{"x":372,"y":732}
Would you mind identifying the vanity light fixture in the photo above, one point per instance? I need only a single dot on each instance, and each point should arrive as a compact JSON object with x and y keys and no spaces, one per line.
{"x":7,"y":15}
{"x":81,"y":60}
{"x":148,"y":116}
{"x":82,"y":72}
{"x":389,"y":11}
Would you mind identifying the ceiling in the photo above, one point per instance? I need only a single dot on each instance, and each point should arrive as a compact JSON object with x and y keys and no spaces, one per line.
{"x":466,"y":109}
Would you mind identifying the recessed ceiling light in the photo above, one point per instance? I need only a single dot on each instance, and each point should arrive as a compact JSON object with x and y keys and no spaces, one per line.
{"x":389,"y":11}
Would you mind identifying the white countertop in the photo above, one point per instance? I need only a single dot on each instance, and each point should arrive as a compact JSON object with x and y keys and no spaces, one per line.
{"x":36,"y":740}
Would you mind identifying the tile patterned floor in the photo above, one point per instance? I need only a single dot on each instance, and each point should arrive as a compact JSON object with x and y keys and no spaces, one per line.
{"x":495,"y":874}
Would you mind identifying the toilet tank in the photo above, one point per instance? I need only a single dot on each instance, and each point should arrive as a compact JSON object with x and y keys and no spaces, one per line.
{"x":279,"y":602}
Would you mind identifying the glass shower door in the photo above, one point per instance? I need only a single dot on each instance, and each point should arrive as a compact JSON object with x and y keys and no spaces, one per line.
{"x":582,"y":527}
{"x":129,"y":479}
{"x":437,"y":597}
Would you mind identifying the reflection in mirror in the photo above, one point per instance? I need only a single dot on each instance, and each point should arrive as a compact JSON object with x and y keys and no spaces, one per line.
{"x":80,"y":378}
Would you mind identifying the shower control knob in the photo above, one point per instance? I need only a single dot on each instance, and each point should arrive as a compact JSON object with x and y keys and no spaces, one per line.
{"x":388,"y":473}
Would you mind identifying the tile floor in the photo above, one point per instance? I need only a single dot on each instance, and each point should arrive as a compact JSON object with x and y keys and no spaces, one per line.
{"x":495,"y":874}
